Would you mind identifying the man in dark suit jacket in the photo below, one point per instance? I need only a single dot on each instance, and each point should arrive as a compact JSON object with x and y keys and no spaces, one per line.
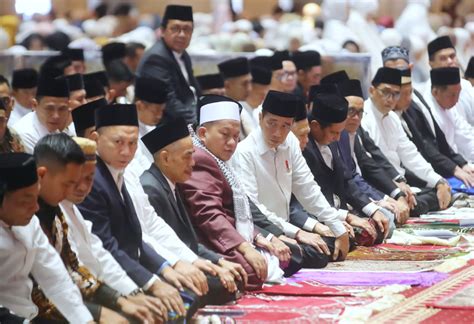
{"x":172,"y":149}
{"x":431,"y":141}
{"x":327,"y":121}
{"x":168,"y":61}
{"x":110,"y":209}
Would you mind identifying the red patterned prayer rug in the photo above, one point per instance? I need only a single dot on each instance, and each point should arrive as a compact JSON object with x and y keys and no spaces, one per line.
{"x":386,"y":254}
{"x":303,"y":288}
{"x":414,"y":309}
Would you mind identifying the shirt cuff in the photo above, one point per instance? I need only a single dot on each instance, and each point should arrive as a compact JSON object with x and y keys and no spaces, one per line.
{"x":163,"y":266}
{"x":337,"y":228}
{"x":150,"y":282}
{"x":370,"y":209}
{"x":290,"y":230}
{"x":342,"y":214}
{"x":395,"y":192}
{"x":310,"y":224}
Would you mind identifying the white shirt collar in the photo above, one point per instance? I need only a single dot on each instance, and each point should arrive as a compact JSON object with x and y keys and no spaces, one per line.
{"x":117,"y":175}
{"x":177,"y":55}
{"x":144,"y":129}
{"x":171,"y":184}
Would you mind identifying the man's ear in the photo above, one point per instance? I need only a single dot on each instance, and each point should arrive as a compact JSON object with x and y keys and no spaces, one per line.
{"x":164,"y":156}
{"x":371,"y":90}
{"x":35,"y":104}
{"x":42,"y":170}
{"x":201,"y":133}
{"x":94,"y":136}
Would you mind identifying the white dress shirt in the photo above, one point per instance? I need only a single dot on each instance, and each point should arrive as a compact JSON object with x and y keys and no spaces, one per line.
{"x":156,"y":232}
{"x":388,"y":134}
{"x":458,"y":132}
{"x":17,"y":113}
{"x":31,"y":130}
{"x":90,"y":251}
{"x":143,"y":158}
{"x":465,"y":105}
{"x":248,"y":119}
{"x":25,"y":250}
{"x":270,"y":176}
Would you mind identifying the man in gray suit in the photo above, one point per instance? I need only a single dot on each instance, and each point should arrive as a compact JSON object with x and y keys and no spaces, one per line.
{"x":173,"y":149}
{"x":168,"y":61}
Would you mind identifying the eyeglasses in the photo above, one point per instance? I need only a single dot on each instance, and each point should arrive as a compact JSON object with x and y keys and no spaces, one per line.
{"x":352,"y":112}
{"x":387,"y":94}
{"x":287,"y":75}
{"x":187,"y":30}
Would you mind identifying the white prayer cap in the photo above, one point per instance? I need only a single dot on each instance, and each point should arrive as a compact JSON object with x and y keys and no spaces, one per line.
{"x":391,"y":37}
{"x":263,"y":52}
{"x":215,"y":107}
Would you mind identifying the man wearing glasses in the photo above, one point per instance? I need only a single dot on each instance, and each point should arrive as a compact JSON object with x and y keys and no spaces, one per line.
{"x":385,"y":128}
{"x":168,"y":61}
{"x":9,"y":139}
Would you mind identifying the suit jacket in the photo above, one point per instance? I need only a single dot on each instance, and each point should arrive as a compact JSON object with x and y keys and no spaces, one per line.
{"x":434,"y":147}
{"x":209,"y":202}
{"x":358,"y":185}
{"x":173,"y":211}
{"x":330,"y":180}
{"x":159,"y":62}
{"x":375,"y":167}
{"x":115,"y":222}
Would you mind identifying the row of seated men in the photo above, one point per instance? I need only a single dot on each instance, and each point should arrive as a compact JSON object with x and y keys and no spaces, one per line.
{"x":136,"y":222}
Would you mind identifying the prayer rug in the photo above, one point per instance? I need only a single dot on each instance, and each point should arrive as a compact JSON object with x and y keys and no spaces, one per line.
{"x":303,"y":288}
{"x":384,"y":254}
{"x":366,"y":278}
{"x":414,"y":310}
{"x":261,"y":308}
{"x":461,"y":297}
{"x":383,"y":266}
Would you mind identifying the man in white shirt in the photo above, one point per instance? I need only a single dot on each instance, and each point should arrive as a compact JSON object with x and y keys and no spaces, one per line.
{"x":237,"y":78}
{"x":211,"y":84}
{"x":51,"y":114}
{"x":442,"y":53}
{"x":271,"y":168}
{"x":150,"y":99}
{"x":469,"y":73}
{"x":261,"y":78}
{"x":83,"y":117}
{"x":25,"y":250}
{"x":444,"y":98}
{"x":385,"y":128}
{"x":24,"y":85}
{"x":308,"y":64}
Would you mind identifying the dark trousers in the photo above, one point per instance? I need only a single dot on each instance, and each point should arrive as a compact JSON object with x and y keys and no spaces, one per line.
{"x":9,"y":318}
{"x":427,"y":201}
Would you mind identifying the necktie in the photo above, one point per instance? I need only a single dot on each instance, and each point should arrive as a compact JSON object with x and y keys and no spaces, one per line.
{"x":327,"y":155}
